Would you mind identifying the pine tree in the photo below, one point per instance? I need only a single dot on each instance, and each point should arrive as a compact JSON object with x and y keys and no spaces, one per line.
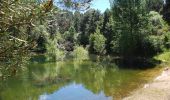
{"x":91,"y":19}
{"x":166,"y":11}
{"x":130,"y":18}
{"x":108,"y":29}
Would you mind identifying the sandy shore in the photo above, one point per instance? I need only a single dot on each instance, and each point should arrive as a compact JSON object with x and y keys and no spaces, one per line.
{"x":159,"y":89}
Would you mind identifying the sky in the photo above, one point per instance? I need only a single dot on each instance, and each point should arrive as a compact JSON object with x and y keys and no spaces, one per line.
{"x":101,"y":5}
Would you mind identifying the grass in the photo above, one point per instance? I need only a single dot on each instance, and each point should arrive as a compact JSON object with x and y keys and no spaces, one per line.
{"x":164,"y":57}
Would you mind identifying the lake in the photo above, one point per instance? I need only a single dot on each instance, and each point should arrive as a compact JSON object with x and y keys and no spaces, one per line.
{"x":74,"y":80}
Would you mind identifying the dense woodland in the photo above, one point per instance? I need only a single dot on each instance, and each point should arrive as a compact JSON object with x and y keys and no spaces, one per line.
{"x":130,"y":29}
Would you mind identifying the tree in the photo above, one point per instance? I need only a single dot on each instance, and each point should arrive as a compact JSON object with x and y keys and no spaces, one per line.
{"x":18,"y":19}
{"x":77,"y":20}
{"x":71,"y":39}
{"x":108,"y":30}
{"x":166,"y":11}
{"x":157,"y":24}
{"x":20,"y":22}
{"x":80,"y":5}
{"x":155,"y":5}
{"x":54,"y":52}
{"x":97,"y":42}
{"x":64,"y":20}
{"x":91,"y":19}
{"x":131,"y":19}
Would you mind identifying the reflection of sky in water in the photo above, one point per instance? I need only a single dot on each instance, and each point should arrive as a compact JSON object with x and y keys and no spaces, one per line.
{"x":74,"y":92}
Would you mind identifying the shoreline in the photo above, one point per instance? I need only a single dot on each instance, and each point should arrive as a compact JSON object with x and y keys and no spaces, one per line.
{"x":158,"y":89}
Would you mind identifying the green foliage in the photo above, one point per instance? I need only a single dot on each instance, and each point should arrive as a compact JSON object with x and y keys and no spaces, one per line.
{"x":156,"y":18}
{"x":108,"y":30}
{"x":97,"y":42}
{"x":157,"y":24}
{"x":77,"y":20}
{"x":80,"y":53}
{"x":71,"y":35}
{"x":64,"y":20}
{"x":164,"y":57}
{"x":17,"y":22}
{"x":81,"y":5}
{"x":155,"y":5}
{"x":159,"y":38}
{"x":91,"y":19}
{"x":26,"y":25}
{"x":167,"y":40}
{"x":131,"y":25}
{"x":157,"y":43}
{"x":54,"y":53}
{"x":130,"y":29}
{"x":166,"y":13}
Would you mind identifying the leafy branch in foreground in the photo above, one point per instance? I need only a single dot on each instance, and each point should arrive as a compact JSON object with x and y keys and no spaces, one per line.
{"x":18,"y":19}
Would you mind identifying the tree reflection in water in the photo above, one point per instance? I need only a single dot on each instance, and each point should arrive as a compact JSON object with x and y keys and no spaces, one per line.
{"x":91,"y":79}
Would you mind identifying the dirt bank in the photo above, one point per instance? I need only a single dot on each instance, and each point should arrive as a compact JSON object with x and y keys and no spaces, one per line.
{"x":159,"y":89}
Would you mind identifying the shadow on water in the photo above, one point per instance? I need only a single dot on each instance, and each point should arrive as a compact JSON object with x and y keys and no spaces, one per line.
{"x":136,"y":63}
{"x":38,"y":58}
{"x":141,"y":63}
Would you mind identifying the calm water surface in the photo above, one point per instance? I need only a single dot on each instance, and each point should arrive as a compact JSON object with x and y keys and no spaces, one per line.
{"x":74,"y":80}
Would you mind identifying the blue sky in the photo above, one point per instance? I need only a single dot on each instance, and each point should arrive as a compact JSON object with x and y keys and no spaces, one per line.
{"x":101,"y":5}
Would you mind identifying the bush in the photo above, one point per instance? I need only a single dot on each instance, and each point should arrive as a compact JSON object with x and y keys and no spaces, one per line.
{"x":158,"y":25}
{"x":157,"y":43}
{"x":153,"y":45}
{"x":80,"y":53}
{"x":164,"y":57}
